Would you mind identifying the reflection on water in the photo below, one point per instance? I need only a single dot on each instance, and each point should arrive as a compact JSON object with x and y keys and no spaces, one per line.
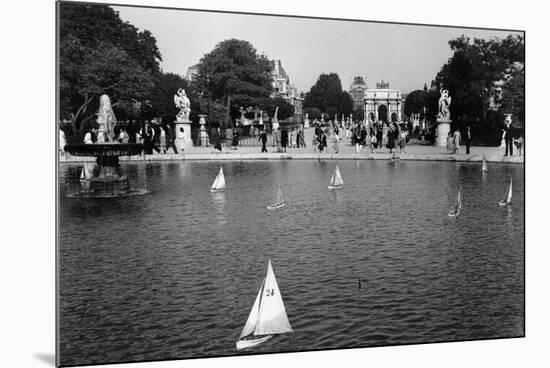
{"x":173,"y":274}
{"x":218,"y":200}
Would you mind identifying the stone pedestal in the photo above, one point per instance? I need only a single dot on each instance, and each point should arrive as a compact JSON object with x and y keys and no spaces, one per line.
{"x":203,"y":136}
{"x":443,"y":129}
{"x":186,"y":141}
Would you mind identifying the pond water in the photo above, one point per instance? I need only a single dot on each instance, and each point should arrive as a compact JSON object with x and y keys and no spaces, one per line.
{"x":174,"y":273}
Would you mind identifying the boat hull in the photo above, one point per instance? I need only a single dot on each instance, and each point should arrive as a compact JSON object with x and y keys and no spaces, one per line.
{"x":216,"y":190}
{"x":275,"y":206}
{"x":248,"y":344}
{"x":332,"y":187}
{"x":504,"y":203}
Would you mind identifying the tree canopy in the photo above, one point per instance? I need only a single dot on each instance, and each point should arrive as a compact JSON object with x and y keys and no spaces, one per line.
{"x":327,"y":96}
{"x":474,"y":68}
{"x":286,"y":110}
{"x":162,"y":94}
{"x":415,"y":102}
{"x":99,"y":53}
{"x":234,"y":74}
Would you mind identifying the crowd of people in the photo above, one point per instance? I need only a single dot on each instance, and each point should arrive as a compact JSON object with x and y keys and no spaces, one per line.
{"x":284,"y":138}
{"x":391,"y":137}
{"x":374,"y":136}
{"x":154,"y":136}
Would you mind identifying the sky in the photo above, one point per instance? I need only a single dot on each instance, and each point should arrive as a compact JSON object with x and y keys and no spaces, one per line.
{"x":406,"y":56}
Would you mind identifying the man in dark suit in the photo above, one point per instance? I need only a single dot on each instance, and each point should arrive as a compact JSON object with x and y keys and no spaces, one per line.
{"x":263,"y":138}
{"x":170,"y":138}
{"x":508,"y":138}
{"x":468,"y":139}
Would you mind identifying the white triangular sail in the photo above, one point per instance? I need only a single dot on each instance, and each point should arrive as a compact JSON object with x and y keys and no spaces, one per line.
{"x":459,"y":201}
{"x":458,"y":206}
{"x":280,"y":198}
{"x":268,"y":315}
{"x":484,"y":165}
{"x":272,"y":318}
{"x":336,"y":179}
{"x":508,"y":198}
{"x":219,"y":182}
{"x":250,"y":324}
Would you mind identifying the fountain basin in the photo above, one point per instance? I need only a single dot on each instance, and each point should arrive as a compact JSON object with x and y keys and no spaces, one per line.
{"x":109,"y":182}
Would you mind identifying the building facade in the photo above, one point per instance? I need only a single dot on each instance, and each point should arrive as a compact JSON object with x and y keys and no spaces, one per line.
{"x":283,"y":88}
{"x":383,"y":104}
{"x":357,"y":91}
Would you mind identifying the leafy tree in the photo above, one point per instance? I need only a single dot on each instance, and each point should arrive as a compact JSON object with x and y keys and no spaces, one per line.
{"x":330,"y":113}
{"x":472,"y":71}
{"x":88,"y":73}
{"x":235,"y":75}
{"x":99,"y":53}
{"x":313,"y":113}
{"x":162,"y":94}
{"x":94,"y":24}
{"x":325,"y":93}
{"x":346,"y":103}
{"x":513,"y":94}
{"x":415,"y":102}
{"x":286,"y":109}
{"x":327,"y":96}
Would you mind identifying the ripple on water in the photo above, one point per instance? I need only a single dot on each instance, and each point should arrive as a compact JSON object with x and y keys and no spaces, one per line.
{"x":174,"y":273}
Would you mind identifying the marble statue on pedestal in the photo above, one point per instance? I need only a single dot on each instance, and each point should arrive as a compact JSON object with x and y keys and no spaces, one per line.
{"x":183,"y":124}
{"x":443,"y":119}
{"x":182,"y":102}
{"x":444,"y":104}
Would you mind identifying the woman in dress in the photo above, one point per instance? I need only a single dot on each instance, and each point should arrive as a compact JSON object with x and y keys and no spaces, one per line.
{"x":391,"y":138}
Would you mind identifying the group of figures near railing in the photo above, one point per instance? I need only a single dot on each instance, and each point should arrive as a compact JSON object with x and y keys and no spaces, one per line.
{"x":248,"y":135}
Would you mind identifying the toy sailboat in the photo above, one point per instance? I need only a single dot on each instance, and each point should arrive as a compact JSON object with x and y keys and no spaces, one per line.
{"x":508,"y":199}
{"x":336,"y":181}
{"x":219,"y":182}
{"x":458,"y":206}
{"x":280,"y":201}
{"x":268,"y":315}
{"x":484,"y":165}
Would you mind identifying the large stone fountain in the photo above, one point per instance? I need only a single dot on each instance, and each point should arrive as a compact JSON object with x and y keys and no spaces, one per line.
{"x":109,"y":181}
